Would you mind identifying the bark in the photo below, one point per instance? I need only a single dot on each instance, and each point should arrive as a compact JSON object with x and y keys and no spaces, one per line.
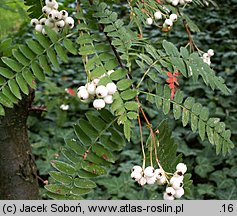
{"x":18,"y":178}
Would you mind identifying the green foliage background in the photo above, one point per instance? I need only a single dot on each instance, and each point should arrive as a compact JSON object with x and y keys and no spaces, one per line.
{"x":214,"y":176}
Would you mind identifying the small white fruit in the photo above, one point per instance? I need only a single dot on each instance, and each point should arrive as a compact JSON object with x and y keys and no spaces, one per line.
{"x":91,"y":88}
{"x":64,"y":107}
{"x":57,"y":16}
{"x":168,"y":22}
{"x":38,"y":28}
{"x":175,"y":2}
{"x":101,"y":91}
{"x":50,"y":3}
{"x":176,"y":178}
{"x":161,"y":181}
{"x":151,"y":180}
{"x":137,"y":169}
{"x":210,"y":52}
{"x":181,"y":167}
{"x":112,"y":88}
{"x":64,"y":14}
{"x":96,"y":81}
{"x":158,"y":15}
{"x":149,"y":171}
{"x":69,"y":21}
{"x":182,"y":2}
{"x":51,"y":14}
{"x":173,"y":17}
{"x":177,"y":184}
{"x":99,"y":104}
{"x":56,"y":29}
{"x":136,"y":175}
{"x":149,"y":21}
{"x":142,"y":181}
{"x":179,"y":193}
{"x":83,"y":94}
{"x":205,"y":56}
{"x":49,"y":23}
{"x":159,"y":173}
{"x":42,"y":21}
{"x":46,"y":10}
{"x":34,"y":22}
{"x":108,"y":99}
{"x":170,"y":191}
{"x":60,"y":24}
{"x":168,"y":197}
{"x":55,"y":7}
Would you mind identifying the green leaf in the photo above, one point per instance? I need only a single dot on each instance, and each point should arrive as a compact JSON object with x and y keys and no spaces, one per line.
{"x":188,"y":103}
{"x":38,"y":72}
{"x":84,"y":183}
{"x":53,"y":58}
{"x":57,"y":189}
{"x":118,"y":74}
{"x":35,"y":46}
{"x":93,"y":168}
{"x":14,"y":88}
{"x":103,"y":152}
{"x":194,"y":122}
{"x":131,"y":105}
{"x":2,"y":111}
{"x":179,"y":95}
{"x":7,"y":92}
{"x":6,"y":73}
{"x":64,"y":167}
{"x":201,"y":129}
{"x":210,"y":134}
{"x":170,"y":49}
{"x":69,"y":45}
{"x":60,"y":177}
{"x":22,"y":83}
{"x":53,"y":36}
{"x":14,"y":65}
{"x":20,"y":57}
{"x":127,"y":130}
{"x":61,"y":53}
{"x":5,"y":101}
{"x":43,"y":61}
{"x":176,"y":111}
{"x":128,"y":94}
{"x":44,"y":42}
{"x":185,"y":117}
{"x":27,"y":52}
{"x":124,"y":84}
{"x":29,"y":78}
{"x":204,"y":114}
{"x":82,"y":136}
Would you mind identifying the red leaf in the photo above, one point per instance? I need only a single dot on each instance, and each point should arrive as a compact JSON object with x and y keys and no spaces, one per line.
{"x":70,"y":91}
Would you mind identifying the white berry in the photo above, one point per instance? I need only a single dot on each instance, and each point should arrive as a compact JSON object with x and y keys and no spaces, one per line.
{"x":64,"y":107}
{"x":42,"y":21}
{"x":38,"y":28}
{"x":159,"y":173}
{"x":181,"y":167}
{"x":151,"y":180}
{"x":149,"y":171}
{"x":168,"y":22}
{"x":205,"y":56}
{"x":175,"y":2}
{"x":161,"y":181}
{"x":149,"y":21}
{"x":158,"y":15}
{"x":55,"y":7}
{"x":137,"y":169}
{"x":34,"y":22}
{"x":60,"y":24}
{"x":91,"y":88}
{"x":108,"y":99}
{"x":136,"y":175}
{"x":168,"y":197}
{"x":179,"y":193}
{"x":112,"y":88}
{"x":101,"y":91}
{"x":50,"y":3}
{"x":173,"y":17}
{"x":96,"y":81}
{"x":46,"y":10}
{"x":177,"y":184}
{"x":83,"y":94}
{"x":44,"y":32}
{"x":176,"y":178}
{"x":142,"y":181}
{"x":49,"y":23}
{"x":57,"y":16}
{"x":170,"y":191}
{"x":210,"y":52}
{"x":69,"y":21}
{"x":99,"y":104}
{"x":64,"y":14}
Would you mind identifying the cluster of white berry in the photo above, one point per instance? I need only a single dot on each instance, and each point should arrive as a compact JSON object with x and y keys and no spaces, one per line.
{"x":56,"y":20}
{"x":148,"y":176}
{"x":175,"y":190}
{"x":101,"y":94}
{"x":207,"y":56}
{"x":151,"y":176}
{"x":176,"y":2}
{"x":168,"y":23}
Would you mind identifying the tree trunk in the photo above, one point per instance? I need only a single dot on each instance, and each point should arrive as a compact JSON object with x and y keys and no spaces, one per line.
{"x":18,"y":178}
